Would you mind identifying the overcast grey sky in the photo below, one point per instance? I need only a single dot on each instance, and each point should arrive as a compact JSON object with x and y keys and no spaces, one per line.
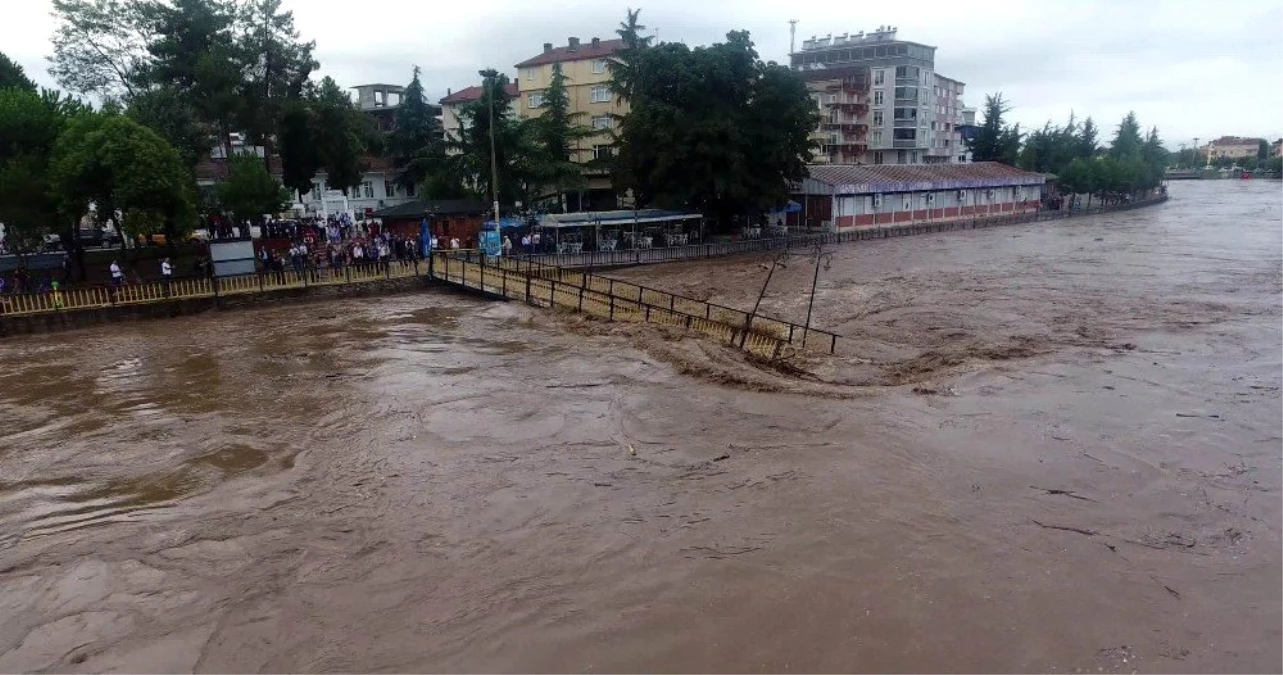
{"x":1195,"y":69}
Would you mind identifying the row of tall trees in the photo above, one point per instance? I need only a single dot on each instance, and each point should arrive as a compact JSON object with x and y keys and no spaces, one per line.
{"x":59,"y":157}
{"x":713,"y":129}
{"x":1132,"y":163}
{"x":197,"y":71}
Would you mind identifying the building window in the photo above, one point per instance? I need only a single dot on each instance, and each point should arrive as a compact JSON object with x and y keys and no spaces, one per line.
{"x":906,"y":113}
{"x":529,"y":73}
{"x":831,"y":98}
{"x":878,"y":118}
{"x":601,"y":94}
{"x":877,"y":137}
{"x":318,"y":189}
{"x":367,"y":189}
{"x":599,"y":66}
{"x":901,"y":157}
{"x":389,"y":188}
{"x":601,"y":122}
{"x":905,"y":134}
{"x":878,"y":158}
{"x":603,"y":151}
{"x":534,"y":100}
{"x":878,"y":98}
{"x":879,"y":77}
{"x":834,"y":138}
{"x":409,"y":190}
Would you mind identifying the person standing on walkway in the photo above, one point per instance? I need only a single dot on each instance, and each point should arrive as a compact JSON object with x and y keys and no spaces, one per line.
{"x":166,"y":274}
{"x":507,"y":246}
{"x":117,"y":280}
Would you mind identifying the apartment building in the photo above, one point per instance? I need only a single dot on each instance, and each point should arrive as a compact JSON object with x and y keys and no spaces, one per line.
{"x":587,"y":71}
{"x":880,"y":100}
{"x":946,"y":129}
{"x":1232,"y":147}
{"x":452,"y":125}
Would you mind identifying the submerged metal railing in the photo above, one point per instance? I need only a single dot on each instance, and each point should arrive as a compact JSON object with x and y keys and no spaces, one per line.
{"x":616,"y":300}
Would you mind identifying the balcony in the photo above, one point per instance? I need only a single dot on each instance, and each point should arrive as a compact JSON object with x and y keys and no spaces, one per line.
{"x":860,"y":109}
{"x":904,"y":144}
{"x":849,"y":127}
{"x":906,"y":124}
{"x":843,"y":148}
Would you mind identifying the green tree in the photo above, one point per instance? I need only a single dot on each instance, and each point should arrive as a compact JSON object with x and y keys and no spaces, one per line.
{"x":1038,"y":153}
{"x":1274,"y":165}
{"x":1155,"y":158}
{"x":1088,"y":139}
{"x":276,"y":68}
{"x":30,"y":125}
{"x":513,"y":149}
{"x":557,"y":134}
{"x":100,"y":46}
{"x":1263,"y":149}
{"x":415,"y":144}
{"x":250,"y":191}
{"x":187,"y":32}
{"x":712,"y":129}
{"x":169,"y":113}
{"x":338,"y":136}
{"x":12,"y":75}
{"x":623,"y":67}
{"x":130,"y":174}
{"x":1127,"y":139}
{"x":991,"y":142}
{"x":296,"y":143}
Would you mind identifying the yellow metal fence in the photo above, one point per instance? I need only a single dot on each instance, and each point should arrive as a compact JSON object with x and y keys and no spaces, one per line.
{"x":191,"y":288}
{"x":591,"y":296}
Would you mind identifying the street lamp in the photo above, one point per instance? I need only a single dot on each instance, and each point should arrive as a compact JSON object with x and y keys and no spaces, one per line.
{"x":748,"y":322}
{"x":491,"y":78}
{"x":827,"y":257}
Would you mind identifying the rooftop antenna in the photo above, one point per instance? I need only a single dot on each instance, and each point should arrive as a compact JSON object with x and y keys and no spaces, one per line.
{"x":792,"y":34}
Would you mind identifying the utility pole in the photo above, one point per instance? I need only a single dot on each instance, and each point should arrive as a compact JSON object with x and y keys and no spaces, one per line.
{"x":491,"y":78}
{"x":792,"y":34}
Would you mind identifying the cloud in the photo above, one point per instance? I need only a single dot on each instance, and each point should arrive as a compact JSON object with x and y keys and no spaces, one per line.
{"x":1190,"y":68}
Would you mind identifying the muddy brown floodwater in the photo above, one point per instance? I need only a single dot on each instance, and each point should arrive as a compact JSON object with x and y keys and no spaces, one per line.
{"x":1041,"y":448}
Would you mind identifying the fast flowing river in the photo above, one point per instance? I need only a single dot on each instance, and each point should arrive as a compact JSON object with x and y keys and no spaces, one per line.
{"x":1087,"y":476}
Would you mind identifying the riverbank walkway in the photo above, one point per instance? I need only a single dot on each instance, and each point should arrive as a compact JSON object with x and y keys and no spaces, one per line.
{"x":565,"y":281}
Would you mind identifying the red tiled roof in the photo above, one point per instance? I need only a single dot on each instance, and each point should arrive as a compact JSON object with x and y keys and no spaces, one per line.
{"x":584,"y":51}
{"x":1236,"y":140}
{"x":909,"y":177}
{"x":210,"y":169}
{"x":473,"y":93}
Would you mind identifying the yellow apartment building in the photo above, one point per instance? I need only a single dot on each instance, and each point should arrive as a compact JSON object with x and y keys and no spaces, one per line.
{"x":452,"y":124}
{"x":587,"y":70}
